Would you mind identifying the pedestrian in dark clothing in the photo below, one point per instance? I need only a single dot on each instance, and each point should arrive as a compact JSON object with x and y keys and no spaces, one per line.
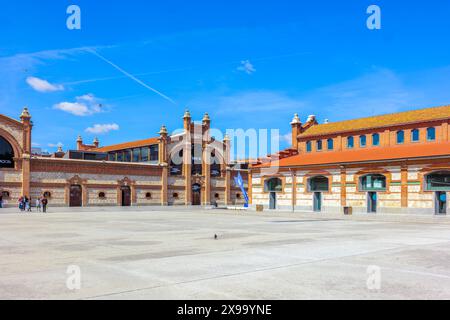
{"x":44,"y":205}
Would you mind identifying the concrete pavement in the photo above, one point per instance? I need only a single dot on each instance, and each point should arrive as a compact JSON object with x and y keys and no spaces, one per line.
{"x":155,"y":253}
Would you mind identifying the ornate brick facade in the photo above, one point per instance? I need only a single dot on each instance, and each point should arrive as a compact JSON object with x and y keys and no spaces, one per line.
{"x":66,"y":181}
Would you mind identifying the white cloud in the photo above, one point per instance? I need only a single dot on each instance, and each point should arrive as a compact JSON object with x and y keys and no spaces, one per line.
{"x":83,"y":106}
{"x":102,"y":128}
{"x":42,"y":85}
{"x":247,"y":67}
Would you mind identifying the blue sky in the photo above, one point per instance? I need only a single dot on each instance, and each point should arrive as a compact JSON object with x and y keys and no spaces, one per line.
{"x":250,"y":64}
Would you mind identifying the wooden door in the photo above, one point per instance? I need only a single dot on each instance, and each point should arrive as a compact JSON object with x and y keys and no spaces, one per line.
{"x":76,"y":196}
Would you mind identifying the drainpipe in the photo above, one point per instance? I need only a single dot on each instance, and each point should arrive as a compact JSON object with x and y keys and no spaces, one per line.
{"x":294,"y":187}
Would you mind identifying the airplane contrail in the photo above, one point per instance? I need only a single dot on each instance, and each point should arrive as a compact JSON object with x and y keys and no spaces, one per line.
{"x":129,"y":75}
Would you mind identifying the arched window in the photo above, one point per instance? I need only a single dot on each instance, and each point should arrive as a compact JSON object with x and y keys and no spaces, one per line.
{"x":373,"y":182}
{"x":438,"y":181}
{"x":400,"y":137}
{"x":350,"y":142}
{"x":330,"y":144}
{"x":308,"y":146}
{"x":176,"y":163}
{"x":415,"y":135}
{"x":6,"y":154}
{"x":375,"y":139}
{"x":319,"y":145}
{"x":215,"y":165}
{"x":431,"y":134}
{"x":362,"y":141}
{"x":273,"y":185}
{"x":318,"y":184}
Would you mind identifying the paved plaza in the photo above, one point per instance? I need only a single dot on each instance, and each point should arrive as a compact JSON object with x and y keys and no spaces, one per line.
{"x":145,"y":253}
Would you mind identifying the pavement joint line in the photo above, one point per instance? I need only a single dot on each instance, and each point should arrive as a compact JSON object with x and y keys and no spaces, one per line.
{"x":313,"y":261}
{"x":238,"y":273}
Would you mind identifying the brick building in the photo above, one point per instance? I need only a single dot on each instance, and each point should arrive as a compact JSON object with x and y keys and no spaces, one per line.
{"x":188,"y":168}
{"x":389,"y":163}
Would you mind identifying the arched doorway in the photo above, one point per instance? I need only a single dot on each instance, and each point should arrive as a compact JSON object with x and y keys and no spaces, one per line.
{"x":6,"y":154}
{"x":317,"y":185}
{"x":76,"y":196}
{"x":372,"y":184}
{"x":439,"y":183}
{"x":126,"y":196}
{"x":273,"y":186}
{"x":196,"y":194}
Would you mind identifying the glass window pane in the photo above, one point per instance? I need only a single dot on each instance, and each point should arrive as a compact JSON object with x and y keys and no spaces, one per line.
{"x":136,"y":154}
{"x":376,"y":139}
{"x":319,"y":145}
{"x":144,"y":154}
{"x":330,"y":144}
{"x":308,"y":146}
{"x":120,"y":156}
{"x":154,"y":153}
{"x":438,"y":181}
{"x":431,"y":134}
{"x":318,"y":184}
{"x":373,"y":183}
{"x":350,"y":142}
{"x":127,"y":156}
{"x":362,"y":141}
{"x":415,"y":135}
{"x":400,"y":137}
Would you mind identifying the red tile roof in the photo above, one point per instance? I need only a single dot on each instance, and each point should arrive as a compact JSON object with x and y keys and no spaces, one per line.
{"x":364,"y":155}
{"x":128,"y":145}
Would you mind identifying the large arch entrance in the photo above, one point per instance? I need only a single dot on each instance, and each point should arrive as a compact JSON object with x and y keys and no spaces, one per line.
{"x":6,"y":154}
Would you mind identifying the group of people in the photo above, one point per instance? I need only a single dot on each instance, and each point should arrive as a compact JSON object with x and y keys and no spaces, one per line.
{"x":40,"y":204}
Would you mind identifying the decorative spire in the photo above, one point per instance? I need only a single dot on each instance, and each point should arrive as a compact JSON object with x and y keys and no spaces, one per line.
{"x":25,"y":114}
{"x":79,"y":139}
{"x":60,"y":149}
{"x":206,"y":118}
{"x":163,"y":131}
{"x":296,"y":119}
{"x":226,"y":138}
{"x":96,"y":140}
{"x":187,"y":114}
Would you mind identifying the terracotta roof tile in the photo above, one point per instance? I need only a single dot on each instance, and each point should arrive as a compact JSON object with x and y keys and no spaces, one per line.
{"x":379,"y":121}
{"x":364,"y":155}
{"x":128,"y":145}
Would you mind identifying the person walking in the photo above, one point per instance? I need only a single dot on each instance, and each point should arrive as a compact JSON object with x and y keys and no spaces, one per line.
{"x":44,"y":205}
{"x":1,"y":201}
{"x":28,"y":204}
{"x":38,"y":205}
{"x":21,"y":204}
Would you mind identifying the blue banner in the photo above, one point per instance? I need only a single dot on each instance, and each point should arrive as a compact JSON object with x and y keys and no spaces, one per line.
{"x":240,"y":182}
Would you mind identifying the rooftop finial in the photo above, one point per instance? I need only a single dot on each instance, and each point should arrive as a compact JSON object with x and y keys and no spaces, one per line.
{"x":25,"y":114}
{"x":206,"y":117}
{"x":163,"y":131}
{"x":187,"y":114}
{"x":296,"y":119}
